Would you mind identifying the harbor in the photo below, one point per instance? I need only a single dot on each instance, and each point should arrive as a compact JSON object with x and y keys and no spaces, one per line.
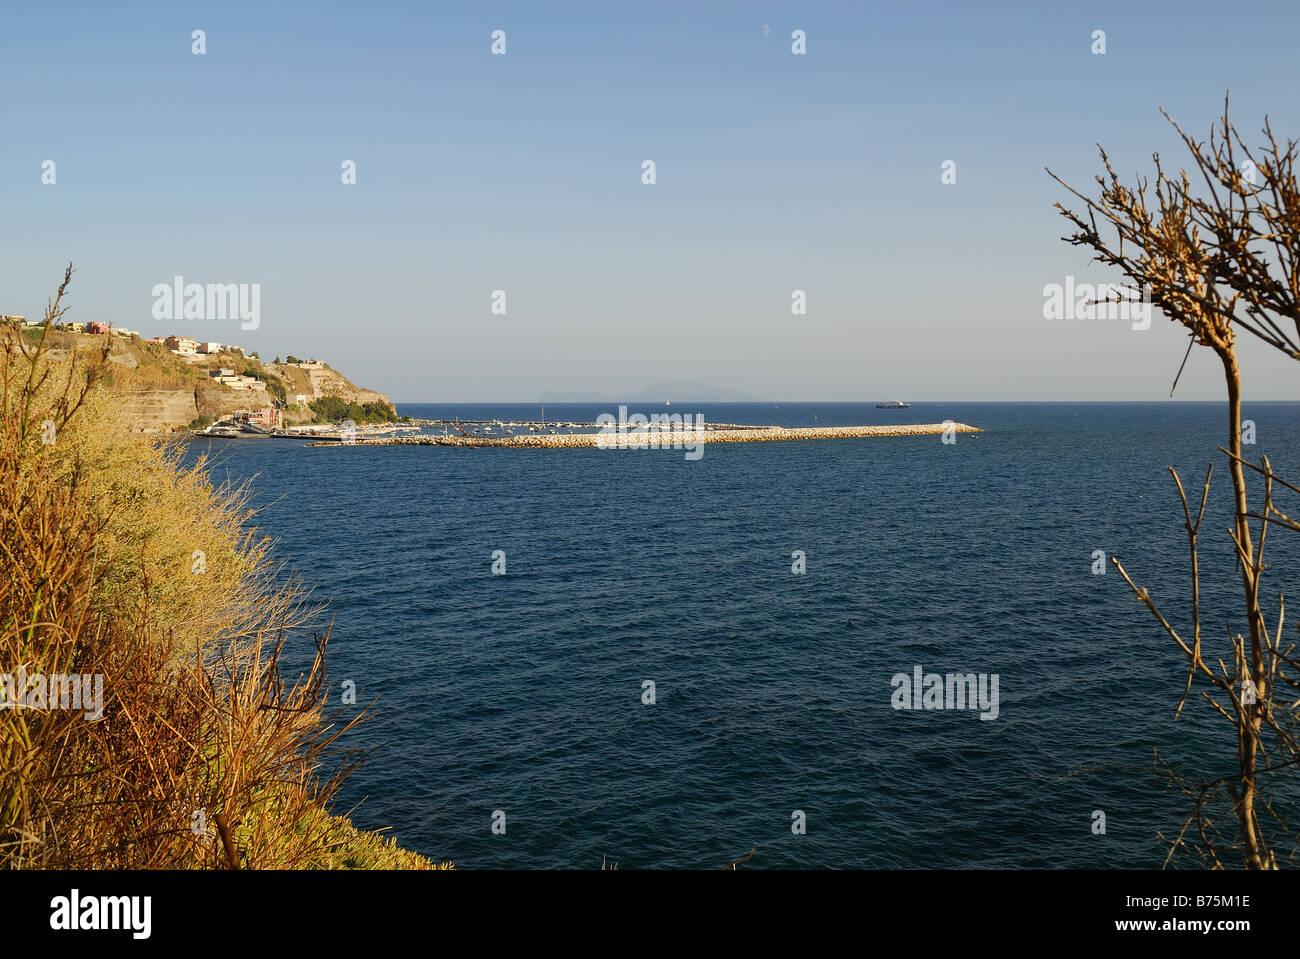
{"x":236,"y":429}
{"x":650,"y":437}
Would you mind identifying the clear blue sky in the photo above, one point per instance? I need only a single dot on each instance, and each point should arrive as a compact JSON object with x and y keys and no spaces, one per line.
{"x":523,"y":173}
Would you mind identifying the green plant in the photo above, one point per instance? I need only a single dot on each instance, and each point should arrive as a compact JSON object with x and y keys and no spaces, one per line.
{"x":334,"y":409}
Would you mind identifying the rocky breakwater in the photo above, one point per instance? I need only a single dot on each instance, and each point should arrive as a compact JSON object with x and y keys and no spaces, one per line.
{"x":652,"y":438}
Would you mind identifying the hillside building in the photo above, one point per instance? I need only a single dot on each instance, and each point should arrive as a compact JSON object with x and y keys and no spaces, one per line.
{"x":268,"y":417}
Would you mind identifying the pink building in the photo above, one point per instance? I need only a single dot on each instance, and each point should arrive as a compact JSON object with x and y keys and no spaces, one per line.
{"x":268,"y":416}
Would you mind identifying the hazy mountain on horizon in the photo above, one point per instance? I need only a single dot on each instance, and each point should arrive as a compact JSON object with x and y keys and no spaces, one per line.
{"x":685,"y":391}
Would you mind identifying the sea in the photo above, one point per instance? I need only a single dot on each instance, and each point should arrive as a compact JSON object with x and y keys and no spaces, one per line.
{"x":589,"y":657}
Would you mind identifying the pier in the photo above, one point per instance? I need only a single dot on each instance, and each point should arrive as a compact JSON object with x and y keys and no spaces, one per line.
{"x":657,"y":438}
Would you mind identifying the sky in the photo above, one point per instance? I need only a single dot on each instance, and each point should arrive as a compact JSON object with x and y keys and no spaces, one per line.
{"x":522,"y":173}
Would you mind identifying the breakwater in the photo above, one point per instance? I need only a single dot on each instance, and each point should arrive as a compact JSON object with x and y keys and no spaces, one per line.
{"x":654,"y":438}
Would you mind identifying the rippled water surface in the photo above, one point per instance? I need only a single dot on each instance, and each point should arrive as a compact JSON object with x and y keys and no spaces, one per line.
{"x":522,"y":692}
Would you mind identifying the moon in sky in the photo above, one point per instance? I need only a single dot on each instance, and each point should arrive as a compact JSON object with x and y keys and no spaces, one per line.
{"x":767,"y":31}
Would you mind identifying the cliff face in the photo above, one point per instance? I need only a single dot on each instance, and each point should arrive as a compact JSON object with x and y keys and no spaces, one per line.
{"x":160,"y":411}
{"x":323,"y":381}
{"x":164,"y":391}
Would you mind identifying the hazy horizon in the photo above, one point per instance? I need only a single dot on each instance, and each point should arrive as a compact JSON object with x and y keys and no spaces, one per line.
{"x":775,"y":172}
{"x":831,"y":402}
{"x":835,"y":402}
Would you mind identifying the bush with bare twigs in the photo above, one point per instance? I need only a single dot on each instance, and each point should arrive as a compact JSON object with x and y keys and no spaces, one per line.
{"x":1219,"y":252}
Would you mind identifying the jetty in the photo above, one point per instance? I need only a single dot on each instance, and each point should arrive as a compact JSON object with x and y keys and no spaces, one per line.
{"x":655,"y":438}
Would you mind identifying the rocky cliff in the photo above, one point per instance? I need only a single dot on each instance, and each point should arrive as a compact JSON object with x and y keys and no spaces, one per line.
{"x":165,"y":391}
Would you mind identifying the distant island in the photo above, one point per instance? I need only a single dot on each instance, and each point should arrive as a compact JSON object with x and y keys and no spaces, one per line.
{"x":677,"y":391}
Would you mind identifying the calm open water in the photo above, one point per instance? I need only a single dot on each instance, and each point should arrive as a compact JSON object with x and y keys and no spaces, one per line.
{"x":523,"y":692}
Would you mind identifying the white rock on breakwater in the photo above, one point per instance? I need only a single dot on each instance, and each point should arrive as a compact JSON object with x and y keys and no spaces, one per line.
{"x":675,"y":438}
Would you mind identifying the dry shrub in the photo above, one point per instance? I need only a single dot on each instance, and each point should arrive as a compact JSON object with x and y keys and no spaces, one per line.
{"x":203,"y":756}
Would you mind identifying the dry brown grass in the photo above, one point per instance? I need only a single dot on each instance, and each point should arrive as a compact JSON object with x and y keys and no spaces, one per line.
{"x":205,"y":756}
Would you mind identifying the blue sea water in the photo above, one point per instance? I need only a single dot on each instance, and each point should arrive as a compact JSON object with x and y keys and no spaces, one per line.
{"x":522,"y":692}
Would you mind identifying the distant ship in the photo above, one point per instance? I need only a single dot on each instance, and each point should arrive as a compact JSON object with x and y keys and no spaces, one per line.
{"x":892,"y":405}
